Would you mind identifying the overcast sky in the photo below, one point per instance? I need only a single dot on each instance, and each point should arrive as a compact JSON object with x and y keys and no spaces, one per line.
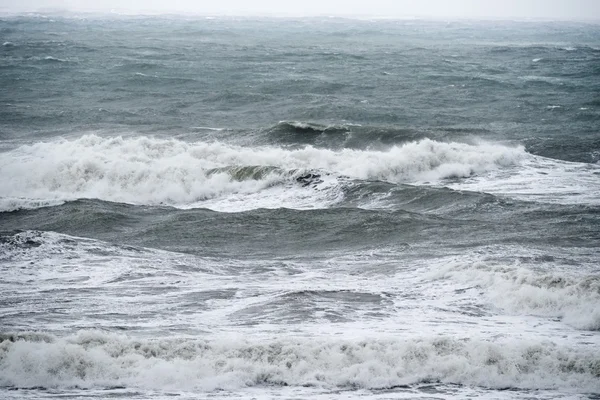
{"x":552,"y":9}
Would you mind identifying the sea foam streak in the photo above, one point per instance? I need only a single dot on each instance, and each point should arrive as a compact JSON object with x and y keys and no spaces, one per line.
{"x":156,"y":171}
{"x":94,"y":359}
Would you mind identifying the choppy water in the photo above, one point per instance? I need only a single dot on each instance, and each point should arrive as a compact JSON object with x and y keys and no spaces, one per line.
{"x":312,"y":208}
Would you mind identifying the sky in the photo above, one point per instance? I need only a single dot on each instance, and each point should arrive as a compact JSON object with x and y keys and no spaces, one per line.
{"x":528,"y":9}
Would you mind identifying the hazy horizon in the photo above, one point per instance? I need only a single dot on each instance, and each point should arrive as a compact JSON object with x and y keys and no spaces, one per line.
{"x":458,"y":9}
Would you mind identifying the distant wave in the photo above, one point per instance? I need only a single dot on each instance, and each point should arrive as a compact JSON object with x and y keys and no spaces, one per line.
{"x":156,"y":171}
{"x":137,"y":66}
{"x":91,"y":359}
{"x":171,"y":79}
{"x":308,"y":128}
{"x":51,"y":59}
{"x":207,"y":128}
{"x":532,"y":79}
{"x":341,"y":135}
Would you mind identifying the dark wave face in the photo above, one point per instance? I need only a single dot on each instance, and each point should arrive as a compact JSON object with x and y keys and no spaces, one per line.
{"x":298,"y":208}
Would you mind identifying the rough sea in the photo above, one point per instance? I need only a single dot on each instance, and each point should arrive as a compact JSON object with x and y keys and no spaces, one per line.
{"x":314,"y":208}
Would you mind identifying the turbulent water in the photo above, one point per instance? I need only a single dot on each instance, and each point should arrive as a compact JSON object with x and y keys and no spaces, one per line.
{"x":298,"y":208}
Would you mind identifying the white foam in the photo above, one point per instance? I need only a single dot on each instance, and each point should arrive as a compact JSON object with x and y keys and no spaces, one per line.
{"x":138,"y":171}
{"x":572,"y":296}
{"x":156,"y":171}
{"x":208,"y":128}
{"x":16,"y":203}
{"x":94,"y":258}
{"x":540,"y":179}
{"x":92,"y":359}
{"x":50,"y":58}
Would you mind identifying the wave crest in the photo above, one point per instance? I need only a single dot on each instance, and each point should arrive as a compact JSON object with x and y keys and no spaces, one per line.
{"x":95,"y":359}
{"x":556,"y":294}
{"x":157,"y":171}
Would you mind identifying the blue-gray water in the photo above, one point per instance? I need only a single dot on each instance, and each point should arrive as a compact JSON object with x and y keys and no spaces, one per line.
{"x":298,"y":208}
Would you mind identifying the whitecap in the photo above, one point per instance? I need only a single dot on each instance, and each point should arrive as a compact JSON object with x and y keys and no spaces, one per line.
{"x":208,"y":128}
{"x":54,"y":59}
{"x":181,"y":174}
{"x":94,"y":359}
{"x":521,"y":290}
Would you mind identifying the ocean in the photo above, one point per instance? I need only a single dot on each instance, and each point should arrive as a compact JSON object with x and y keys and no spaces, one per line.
{"x":298,"y":208}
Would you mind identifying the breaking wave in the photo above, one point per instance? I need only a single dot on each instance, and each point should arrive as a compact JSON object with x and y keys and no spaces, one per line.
{"x":171,"y":172}
{"x":93,"y":359}
{"x":573,"y":298}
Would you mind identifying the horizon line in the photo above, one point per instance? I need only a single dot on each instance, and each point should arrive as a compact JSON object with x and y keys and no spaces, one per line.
{"x":124,"y":12}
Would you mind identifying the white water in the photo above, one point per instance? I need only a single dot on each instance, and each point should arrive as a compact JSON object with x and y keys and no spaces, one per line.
{"x":556,"y":291}
{"x":96,"y":359}
{"x":171,"y":172}
{"x":467,"y":320}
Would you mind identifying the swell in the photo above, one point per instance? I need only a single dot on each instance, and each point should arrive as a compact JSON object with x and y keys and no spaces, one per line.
{"x":415,"y":217}
{"x":339,"y":136}
{"x":584,"y":149}
{"x":307,"y":128}
{"x":91,"y":359}
{"x":256,"y":234}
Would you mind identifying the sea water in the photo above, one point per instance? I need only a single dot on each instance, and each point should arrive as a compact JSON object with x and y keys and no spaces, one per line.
{"x":298,"y":208}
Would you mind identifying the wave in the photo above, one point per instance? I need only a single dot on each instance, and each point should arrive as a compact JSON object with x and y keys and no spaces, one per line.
{"x":207,"y":128}
{"x":308,"y":128}
{"x":171,"y":172}
{"x":581,"y":150}
{"x":573,"y":298}
{"x":338,"y":136}
{"x":171,"y":79}
{"x":50,"y":59}
{"x":54,"y":59}
{"x":91,"y":359}
{"x":135,"y":67}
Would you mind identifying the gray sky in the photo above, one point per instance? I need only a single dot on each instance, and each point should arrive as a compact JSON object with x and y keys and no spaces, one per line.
{"x":553,"y":9}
